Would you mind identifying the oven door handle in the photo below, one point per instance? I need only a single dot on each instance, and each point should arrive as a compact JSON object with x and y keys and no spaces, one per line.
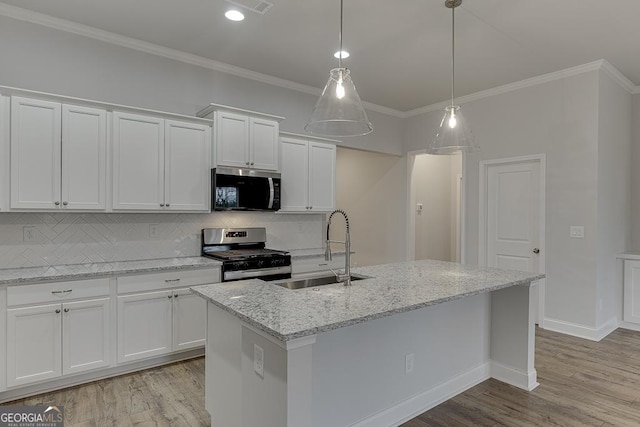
{"x":271,"y":193}
{"x":249,"y":274}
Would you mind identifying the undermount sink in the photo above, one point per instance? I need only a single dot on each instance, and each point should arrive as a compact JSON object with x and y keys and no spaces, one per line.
{"x":311,"y":282}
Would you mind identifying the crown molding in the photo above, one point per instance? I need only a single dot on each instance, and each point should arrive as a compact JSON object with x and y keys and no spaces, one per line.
{"x":636,"y":90}
{"x":617,"y":76}
{"x":177,"y":55}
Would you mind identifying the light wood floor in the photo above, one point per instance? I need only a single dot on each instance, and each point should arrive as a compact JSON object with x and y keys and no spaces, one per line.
{"x":582,"y":383}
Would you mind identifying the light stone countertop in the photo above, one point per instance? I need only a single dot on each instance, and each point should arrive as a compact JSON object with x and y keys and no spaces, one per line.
{"x":395,"y":288}
{"x":15,"y":276}
{"x":633,"y":255}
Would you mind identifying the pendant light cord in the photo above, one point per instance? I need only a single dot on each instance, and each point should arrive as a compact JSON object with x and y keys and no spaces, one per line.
{"x":340,"y":36}
{"x":453,"y":55}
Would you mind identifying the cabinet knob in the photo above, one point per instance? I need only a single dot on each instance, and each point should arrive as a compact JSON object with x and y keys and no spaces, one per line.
{"x":66,"y":310}
{"x":65,"y":203}
{"x":58,"y":311}
{"x":162,"y":205}
{"x":169,"y":296}
{"x":176,"y":296}
{"x":251,"y":163}
{"x":56,"y":203}
{"x":536,"y":250}
{"x":247,"y":163}
{"x":167,"y":205}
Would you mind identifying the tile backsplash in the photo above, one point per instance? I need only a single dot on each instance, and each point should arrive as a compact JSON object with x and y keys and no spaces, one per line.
{"x":40,"y":239}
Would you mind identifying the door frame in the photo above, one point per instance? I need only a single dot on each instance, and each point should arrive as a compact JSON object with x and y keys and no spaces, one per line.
{"x":483,"y":216}
{"x":411,"y":212}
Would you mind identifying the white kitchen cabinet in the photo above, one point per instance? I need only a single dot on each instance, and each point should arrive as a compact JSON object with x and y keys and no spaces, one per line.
{"x":160,"y":165}
{"x":246,"y":142}
{"x":157,"y":314}
{"x":34,"y":344}
{"x":631,"y":309}
{"x":47,"y":339}
{"x":308,"y":171}
{"x":58,"y":156}
{"x":5,"y":161}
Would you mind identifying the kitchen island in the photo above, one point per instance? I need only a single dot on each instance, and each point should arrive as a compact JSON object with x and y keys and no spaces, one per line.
{"x":376,"y":353}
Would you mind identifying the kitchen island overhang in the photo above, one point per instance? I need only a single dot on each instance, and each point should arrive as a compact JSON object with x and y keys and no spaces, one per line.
{"x":375,"y":353}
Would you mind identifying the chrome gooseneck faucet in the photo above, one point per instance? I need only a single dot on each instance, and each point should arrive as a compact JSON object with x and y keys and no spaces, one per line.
{"x":346,"y":277}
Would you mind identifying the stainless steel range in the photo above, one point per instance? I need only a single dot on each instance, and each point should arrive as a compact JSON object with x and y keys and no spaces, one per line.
{"x":243,"y":254}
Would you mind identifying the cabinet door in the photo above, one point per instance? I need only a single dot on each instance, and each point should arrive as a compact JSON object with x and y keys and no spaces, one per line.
{"x":187,"y":169}
{"x":322,"y":177}
{"x":84,"y":158}
{"x":263,"y":144}
{"x":35,"y":153}
{"x":5,"y":161}
{"x":144,"y":325}
{"x":294,"y":167}
{"x":189,"y":320}
{"x":138,"y":162}
{"x":34,"y":336}
{"x":232,"y":139}
{"x":86,"y":335}
{"x":631,"y":312}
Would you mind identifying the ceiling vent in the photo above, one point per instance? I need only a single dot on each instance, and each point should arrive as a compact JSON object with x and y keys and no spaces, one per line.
{"x":257,"y":6}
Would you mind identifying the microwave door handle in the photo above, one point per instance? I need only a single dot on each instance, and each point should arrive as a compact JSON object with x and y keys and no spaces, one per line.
{"x":271,"y":193}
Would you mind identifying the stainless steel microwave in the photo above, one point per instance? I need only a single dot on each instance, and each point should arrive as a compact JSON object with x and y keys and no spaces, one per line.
{"x":235,"y":189}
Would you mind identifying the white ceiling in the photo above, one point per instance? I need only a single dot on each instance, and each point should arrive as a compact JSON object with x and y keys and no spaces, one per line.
{"x":400,"y":49}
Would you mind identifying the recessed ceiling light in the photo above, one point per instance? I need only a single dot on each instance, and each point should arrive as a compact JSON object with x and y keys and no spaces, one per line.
{"x":234,"y":15}
{"x":345,"y":54}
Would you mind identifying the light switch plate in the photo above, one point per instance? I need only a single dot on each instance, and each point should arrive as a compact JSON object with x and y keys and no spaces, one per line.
{"x":576,"y":232}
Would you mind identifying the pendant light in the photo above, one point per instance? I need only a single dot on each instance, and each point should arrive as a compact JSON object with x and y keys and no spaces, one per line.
{"x":339,"y":111}
{"x":453,"y":134}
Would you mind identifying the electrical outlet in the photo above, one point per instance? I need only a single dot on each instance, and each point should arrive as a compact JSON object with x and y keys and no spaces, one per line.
{"x":153,"y":231}
{"x":29,"y":233}
{"x":258,"y":360}
{"x":576,"y":232}
{"x":408,"y":363}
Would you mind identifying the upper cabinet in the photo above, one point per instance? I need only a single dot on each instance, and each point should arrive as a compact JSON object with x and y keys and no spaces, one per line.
{"x":308,"y":169}
{"x":160,"y":164}
{"x":245,"y":139}
{"x":5,"y":161}
{"x":58,"y":156}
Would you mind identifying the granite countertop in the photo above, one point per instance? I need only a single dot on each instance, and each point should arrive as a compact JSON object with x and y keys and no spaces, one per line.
{"x":15,"y":276}
{"x":394,"y":288}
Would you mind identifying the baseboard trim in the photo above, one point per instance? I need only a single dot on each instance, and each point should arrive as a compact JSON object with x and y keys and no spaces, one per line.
{"x":416,"y":405}
{"x":581,"y":331}
{"x":514,"y":377}
{"x":630,"y":326}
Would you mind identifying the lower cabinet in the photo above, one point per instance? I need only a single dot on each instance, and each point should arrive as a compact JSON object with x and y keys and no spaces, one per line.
{"x":48,"y":341}
{"x":631,"y":309}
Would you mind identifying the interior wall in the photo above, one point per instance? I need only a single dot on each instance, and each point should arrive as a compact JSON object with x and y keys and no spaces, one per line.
{"x":39,"y":58}
{"x":372,"y":190}
{"x":558,"y":118}
{"x":635,"y":173}
{"x":432,"y":185}
{"x":614,"y":195}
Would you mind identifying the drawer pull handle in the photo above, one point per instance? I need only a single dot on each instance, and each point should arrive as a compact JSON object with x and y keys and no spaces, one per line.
{"x":66,"y":310}
{"x":62,"y":293}
{"x":172,"y":280}
{"x":58,"y":311}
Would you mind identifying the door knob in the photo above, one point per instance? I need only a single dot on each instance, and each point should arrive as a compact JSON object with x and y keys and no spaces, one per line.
{"x":536,"y":250}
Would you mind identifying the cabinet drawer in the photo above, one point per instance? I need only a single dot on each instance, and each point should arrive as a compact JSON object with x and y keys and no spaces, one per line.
{"x":308,"y":265}
{"x":57,"y":291}
{"x":178,"y":278}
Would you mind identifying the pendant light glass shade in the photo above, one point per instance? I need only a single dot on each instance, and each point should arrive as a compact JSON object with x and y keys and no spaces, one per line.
{"x":339,"y":111}
{"x":453,"y":134}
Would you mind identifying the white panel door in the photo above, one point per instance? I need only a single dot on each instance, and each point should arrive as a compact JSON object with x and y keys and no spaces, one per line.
{"x":34,"y":337}
{"x":232,"y":139}
{"x":631,"y":312}
{"x":264,"y":144}
{"x":138,"y":162}
{"x":86,"y":335}
{"x":322,"y":177}
{"x":84,"y":158}
{"x":189,"y":320}
{"x":144,"y":325}
{"x":187,"y":168}
{"x":513,"y":216}
{"x":35,"y":153}
{"x":294,"y":168}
